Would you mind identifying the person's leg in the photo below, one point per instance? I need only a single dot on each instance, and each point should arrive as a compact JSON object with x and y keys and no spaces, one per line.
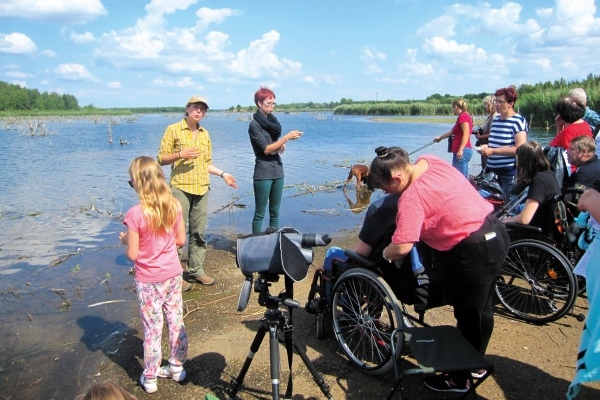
{"x":151,"y":297}
{"x":507,"y":182}
{"x":262,"y":189}
{"x":197,"y":245}
{"x":185,"y":200}
{"x":173,"y":309}
{"x":455,"y":161}
{"x":463,"y":163}
{"x":275,"y":202}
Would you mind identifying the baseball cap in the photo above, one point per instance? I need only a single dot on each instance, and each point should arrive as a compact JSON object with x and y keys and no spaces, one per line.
{"x":197,"y":99}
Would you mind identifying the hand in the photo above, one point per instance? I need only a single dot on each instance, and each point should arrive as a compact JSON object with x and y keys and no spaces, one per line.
{"x":190,"y":154}
{"x":230,"y":180}
{"x":293,"y":135}
{"x":437,"y":139}
{"x":459,"y":154}
{"x":123,"y":237}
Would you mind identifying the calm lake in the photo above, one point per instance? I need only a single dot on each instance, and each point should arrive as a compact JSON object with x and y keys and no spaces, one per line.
{"x":65,"y":293}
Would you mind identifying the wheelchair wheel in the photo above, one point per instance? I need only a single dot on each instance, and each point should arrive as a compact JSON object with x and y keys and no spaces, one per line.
{"x":365,"y":312}
{"x":536,"y":283}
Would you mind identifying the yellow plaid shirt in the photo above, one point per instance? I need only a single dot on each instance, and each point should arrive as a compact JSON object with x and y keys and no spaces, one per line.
{"x":190,"y":176}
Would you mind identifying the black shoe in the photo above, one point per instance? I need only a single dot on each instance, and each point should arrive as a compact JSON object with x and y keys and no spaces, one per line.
{"x":445,"y":383}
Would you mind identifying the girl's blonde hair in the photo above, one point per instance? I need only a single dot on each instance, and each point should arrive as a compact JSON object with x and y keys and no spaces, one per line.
{"x":106,"y":390}
{"x":158,"y":204}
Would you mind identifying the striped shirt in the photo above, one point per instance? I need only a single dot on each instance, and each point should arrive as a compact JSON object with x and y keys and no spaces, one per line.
{"x":503,"y":134}
{"x":190,"y":176}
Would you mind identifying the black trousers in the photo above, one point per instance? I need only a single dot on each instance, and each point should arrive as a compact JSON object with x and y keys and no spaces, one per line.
{"x":469,"y":272}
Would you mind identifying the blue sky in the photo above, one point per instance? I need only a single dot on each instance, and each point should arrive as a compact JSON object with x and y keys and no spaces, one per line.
{"x":131,"y":53}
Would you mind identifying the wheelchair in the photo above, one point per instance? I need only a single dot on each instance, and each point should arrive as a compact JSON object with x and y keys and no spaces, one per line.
{"x":365,"y":301}
{"x":536,"y":283}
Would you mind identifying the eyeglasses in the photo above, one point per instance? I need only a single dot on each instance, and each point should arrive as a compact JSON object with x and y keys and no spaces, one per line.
{"x":130,"y":182}
{"x":496,"y":101}
{"x":271,"y":104}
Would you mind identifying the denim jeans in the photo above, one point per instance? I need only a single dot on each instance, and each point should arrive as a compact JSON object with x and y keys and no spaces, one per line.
{"x":194,"y":209}
{"x":507,"y":182}
{"x":463,"y":164}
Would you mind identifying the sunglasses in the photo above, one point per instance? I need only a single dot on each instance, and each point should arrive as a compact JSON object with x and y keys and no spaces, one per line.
{"x":130,"y":182}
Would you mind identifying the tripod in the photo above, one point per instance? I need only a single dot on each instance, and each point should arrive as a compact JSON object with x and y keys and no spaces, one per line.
{"x":273,"y":321}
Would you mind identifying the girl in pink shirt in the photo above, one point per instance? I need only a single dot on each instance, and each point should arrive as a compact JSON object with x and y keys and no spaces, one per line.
{"x":441,"y":208}
{"x":154,"y":230}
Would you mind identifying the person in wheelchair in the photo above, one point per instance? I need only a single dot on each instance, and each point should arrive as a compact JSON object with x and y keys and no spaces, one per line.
{"x":439,"y":207}
{"x":581,"y":154}
{"x":533,"y":168}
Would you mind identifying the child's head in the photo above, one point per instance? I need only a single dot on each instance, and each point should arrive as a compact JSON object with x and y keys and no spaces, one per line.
{"x":158,"y":204}
{"x":106,"y":390}
{"x":530,"y":160}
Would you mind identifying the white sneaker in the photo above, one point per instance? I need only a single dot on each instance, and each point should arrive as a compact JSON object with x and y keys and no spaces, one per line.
{"x":175,"y":373}
{"x":149,"y":384}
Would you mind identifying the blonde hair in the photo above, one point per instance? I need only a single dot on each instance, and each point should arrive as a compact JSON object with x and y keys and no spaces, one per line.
{"x":106,"y":390}
{"x":489,"y":100}
{"x":461,"y":103}
{"x":158,"y":204}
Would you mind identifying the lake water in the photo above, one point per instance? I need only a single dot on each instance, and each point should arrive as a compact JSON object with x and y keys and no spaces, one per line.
{"x":66,"y":192}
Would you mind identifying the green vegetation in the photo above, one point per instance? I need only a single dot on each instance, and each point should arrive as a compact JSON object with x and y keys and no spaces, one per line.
{"x":16,"y":98}
{"x":536,"y":103}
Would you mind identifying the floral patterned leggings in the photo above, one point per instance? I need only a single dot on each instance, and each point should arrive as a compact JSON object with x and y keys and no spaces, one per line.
{"x":154,"y":299}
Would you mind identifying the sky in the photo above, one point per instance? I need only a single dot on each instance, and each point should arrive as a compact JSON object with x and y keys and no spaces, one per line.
{"x":134,"y":53}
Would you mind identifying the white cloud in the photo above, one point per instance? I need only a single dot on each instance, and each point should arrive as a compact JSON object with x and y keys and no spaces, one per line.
{"x":23,"y":84}
{"x":441,"y":26}
{"x":207,"y":16}
{"x":64,"y":11}
{"x":16,"y":43}
{"x":49,"y":53}
{"x":73,"y":72}
{"x":114,"y":85}
{"x":183,"y":82}
{"x":16,"y":74}
{"x":259,"y":60}
{"x":82,"y":38}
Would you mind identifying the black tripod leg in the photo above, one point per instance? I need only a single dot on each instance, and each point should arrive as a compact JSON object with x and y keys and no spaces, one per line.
{"x":236,"y":383}
{"x":274,"y":357}
{"x":317,"y":377}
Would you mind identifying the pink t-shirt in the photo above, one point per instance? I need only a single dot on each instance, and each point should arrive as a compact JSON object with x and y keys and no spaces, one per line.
{"x":440,"y":208}
{"x":158,"y":259}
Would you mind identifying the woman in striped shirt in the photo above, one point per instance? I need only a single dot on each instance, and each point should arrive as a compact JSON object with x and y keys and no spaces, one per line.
{"x":509,"y":131}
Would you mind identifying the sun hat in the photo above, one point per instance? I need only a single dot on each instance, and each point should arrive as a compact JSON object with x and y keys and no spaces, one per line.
{"x":197,"y":99}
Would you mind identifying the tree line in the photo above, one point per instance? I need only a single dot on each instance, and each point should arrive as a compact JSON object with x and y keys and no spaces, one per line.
{"x":535,"y":102}
{"x":17,"y":98}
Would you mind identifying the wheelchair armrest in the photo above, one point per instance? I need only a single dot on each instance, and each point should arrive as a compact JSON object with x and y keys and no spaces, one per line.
{"x":523,"y":227}
{"x":359,"y":259}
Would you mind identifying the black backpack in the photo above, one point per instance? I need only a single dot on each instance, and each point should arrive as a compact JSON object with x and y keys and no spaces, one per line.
{"x":558,"y":164}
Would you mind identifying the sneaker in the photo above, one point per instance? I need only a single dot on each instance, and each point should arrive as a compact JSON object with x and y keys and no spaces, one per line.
{"x":203,"y":279}
{"x":149,"y":384}
{"x":445,"y":383}
{"x":169,"y":371}
{"x":478,"y":374}
{"x":186,"y":286}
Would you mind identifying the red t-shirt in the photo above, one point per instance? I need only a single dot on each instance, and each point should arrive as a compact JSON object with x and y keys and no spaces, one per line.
{"x":458,"y":133}
{"x":564,"y":137}
{"x":158,"y":259}
{"x":440,"y":208}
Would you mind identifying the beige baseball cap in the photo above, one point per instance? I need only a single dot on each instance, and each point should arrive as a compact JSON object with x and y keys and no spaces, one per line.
{"x":197,"y":99}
